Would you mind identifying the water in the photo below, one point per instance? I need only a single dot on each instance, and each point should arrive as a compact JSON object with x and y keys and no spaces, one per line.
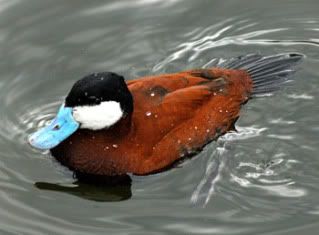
{"x":262,"y":180}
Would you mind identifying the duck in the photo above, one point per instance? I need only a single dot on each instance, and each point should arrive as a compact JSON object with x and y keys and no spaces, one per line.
{"x":108,"y":126}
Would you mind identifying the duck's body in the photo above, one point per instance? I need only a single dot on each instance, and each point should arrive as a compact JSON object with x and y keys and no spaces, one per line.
{"x":173,"y":115}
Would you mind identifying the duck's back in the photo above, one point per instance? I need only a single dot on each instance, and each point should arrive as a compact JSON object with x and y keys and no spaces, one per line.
{"x":177,"y":114}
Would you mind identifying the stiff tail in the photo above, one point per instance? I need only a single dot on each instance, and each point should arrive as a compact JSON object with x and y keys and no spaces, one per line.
{"x":268,"y":73}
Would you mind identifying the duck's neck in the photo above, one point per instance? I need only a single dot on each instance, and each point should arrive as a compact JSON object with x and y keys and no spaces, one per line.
{"x":122,"y":127}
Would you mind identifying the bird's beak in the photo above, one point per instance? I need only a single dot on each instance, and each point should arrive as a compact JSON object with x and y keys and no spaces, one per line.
{"x":61,"y":127}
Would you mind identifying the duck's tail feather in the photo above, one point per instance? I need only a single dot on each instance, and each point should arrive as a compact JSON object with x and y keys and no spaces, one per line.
{"x":267,"y":73}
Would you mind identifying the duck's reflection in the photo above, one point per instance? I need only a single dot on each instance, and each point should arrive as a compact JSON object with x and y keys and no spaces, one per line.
{"x":106,"y":189}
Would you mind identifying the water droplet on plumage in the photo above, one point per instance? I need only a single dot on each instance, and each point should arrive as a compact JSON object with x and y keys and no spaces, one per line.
{"x":148,"y":113}
{"x":152,"y":94}
{"x":115,"y":146}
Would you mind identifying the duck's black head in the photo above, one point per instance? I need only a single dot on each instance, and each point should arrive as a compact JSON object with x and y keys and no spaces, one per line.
{"x":95,"y":102}
{"x":97,"y":88}
{"x":99,"y":100}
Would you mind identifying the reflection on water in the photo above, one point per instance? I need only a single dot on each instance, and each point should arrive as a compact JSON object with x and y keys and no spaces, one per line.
{"x":261,"y":179}
{"x":96,"y":188}
{"x":90,"y":192}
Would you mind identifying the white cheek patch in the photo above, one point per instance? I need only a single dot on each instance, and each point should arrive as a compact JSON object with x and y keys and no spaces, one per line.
{"x":99,"y":116}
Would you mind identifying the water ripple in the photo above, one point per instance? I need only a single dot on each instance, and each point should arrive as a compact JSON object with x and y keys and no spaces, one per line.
{"x":217,"y":36}
{"x":262,"y":178}
{"x":124,"y":5}
{"x":266,"y":176}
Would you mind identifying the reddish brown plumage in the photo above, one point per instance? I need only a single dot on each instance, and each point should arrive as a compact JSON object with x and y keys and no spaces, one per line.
{"x":174,"y":115}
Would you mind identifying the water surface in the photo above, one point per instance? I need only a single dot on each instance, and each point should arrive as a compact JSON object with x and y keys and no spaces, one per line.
{"x":262,"y":180}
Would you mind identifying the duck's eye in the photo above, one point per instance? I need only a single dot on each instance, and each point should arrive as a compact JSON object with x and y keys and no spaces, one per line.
{"x":56,"y":127}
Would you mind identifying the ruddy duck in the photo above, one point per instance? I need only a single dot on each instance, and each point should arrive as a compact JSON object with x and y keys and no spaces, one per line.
{"x":108,"y":126}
